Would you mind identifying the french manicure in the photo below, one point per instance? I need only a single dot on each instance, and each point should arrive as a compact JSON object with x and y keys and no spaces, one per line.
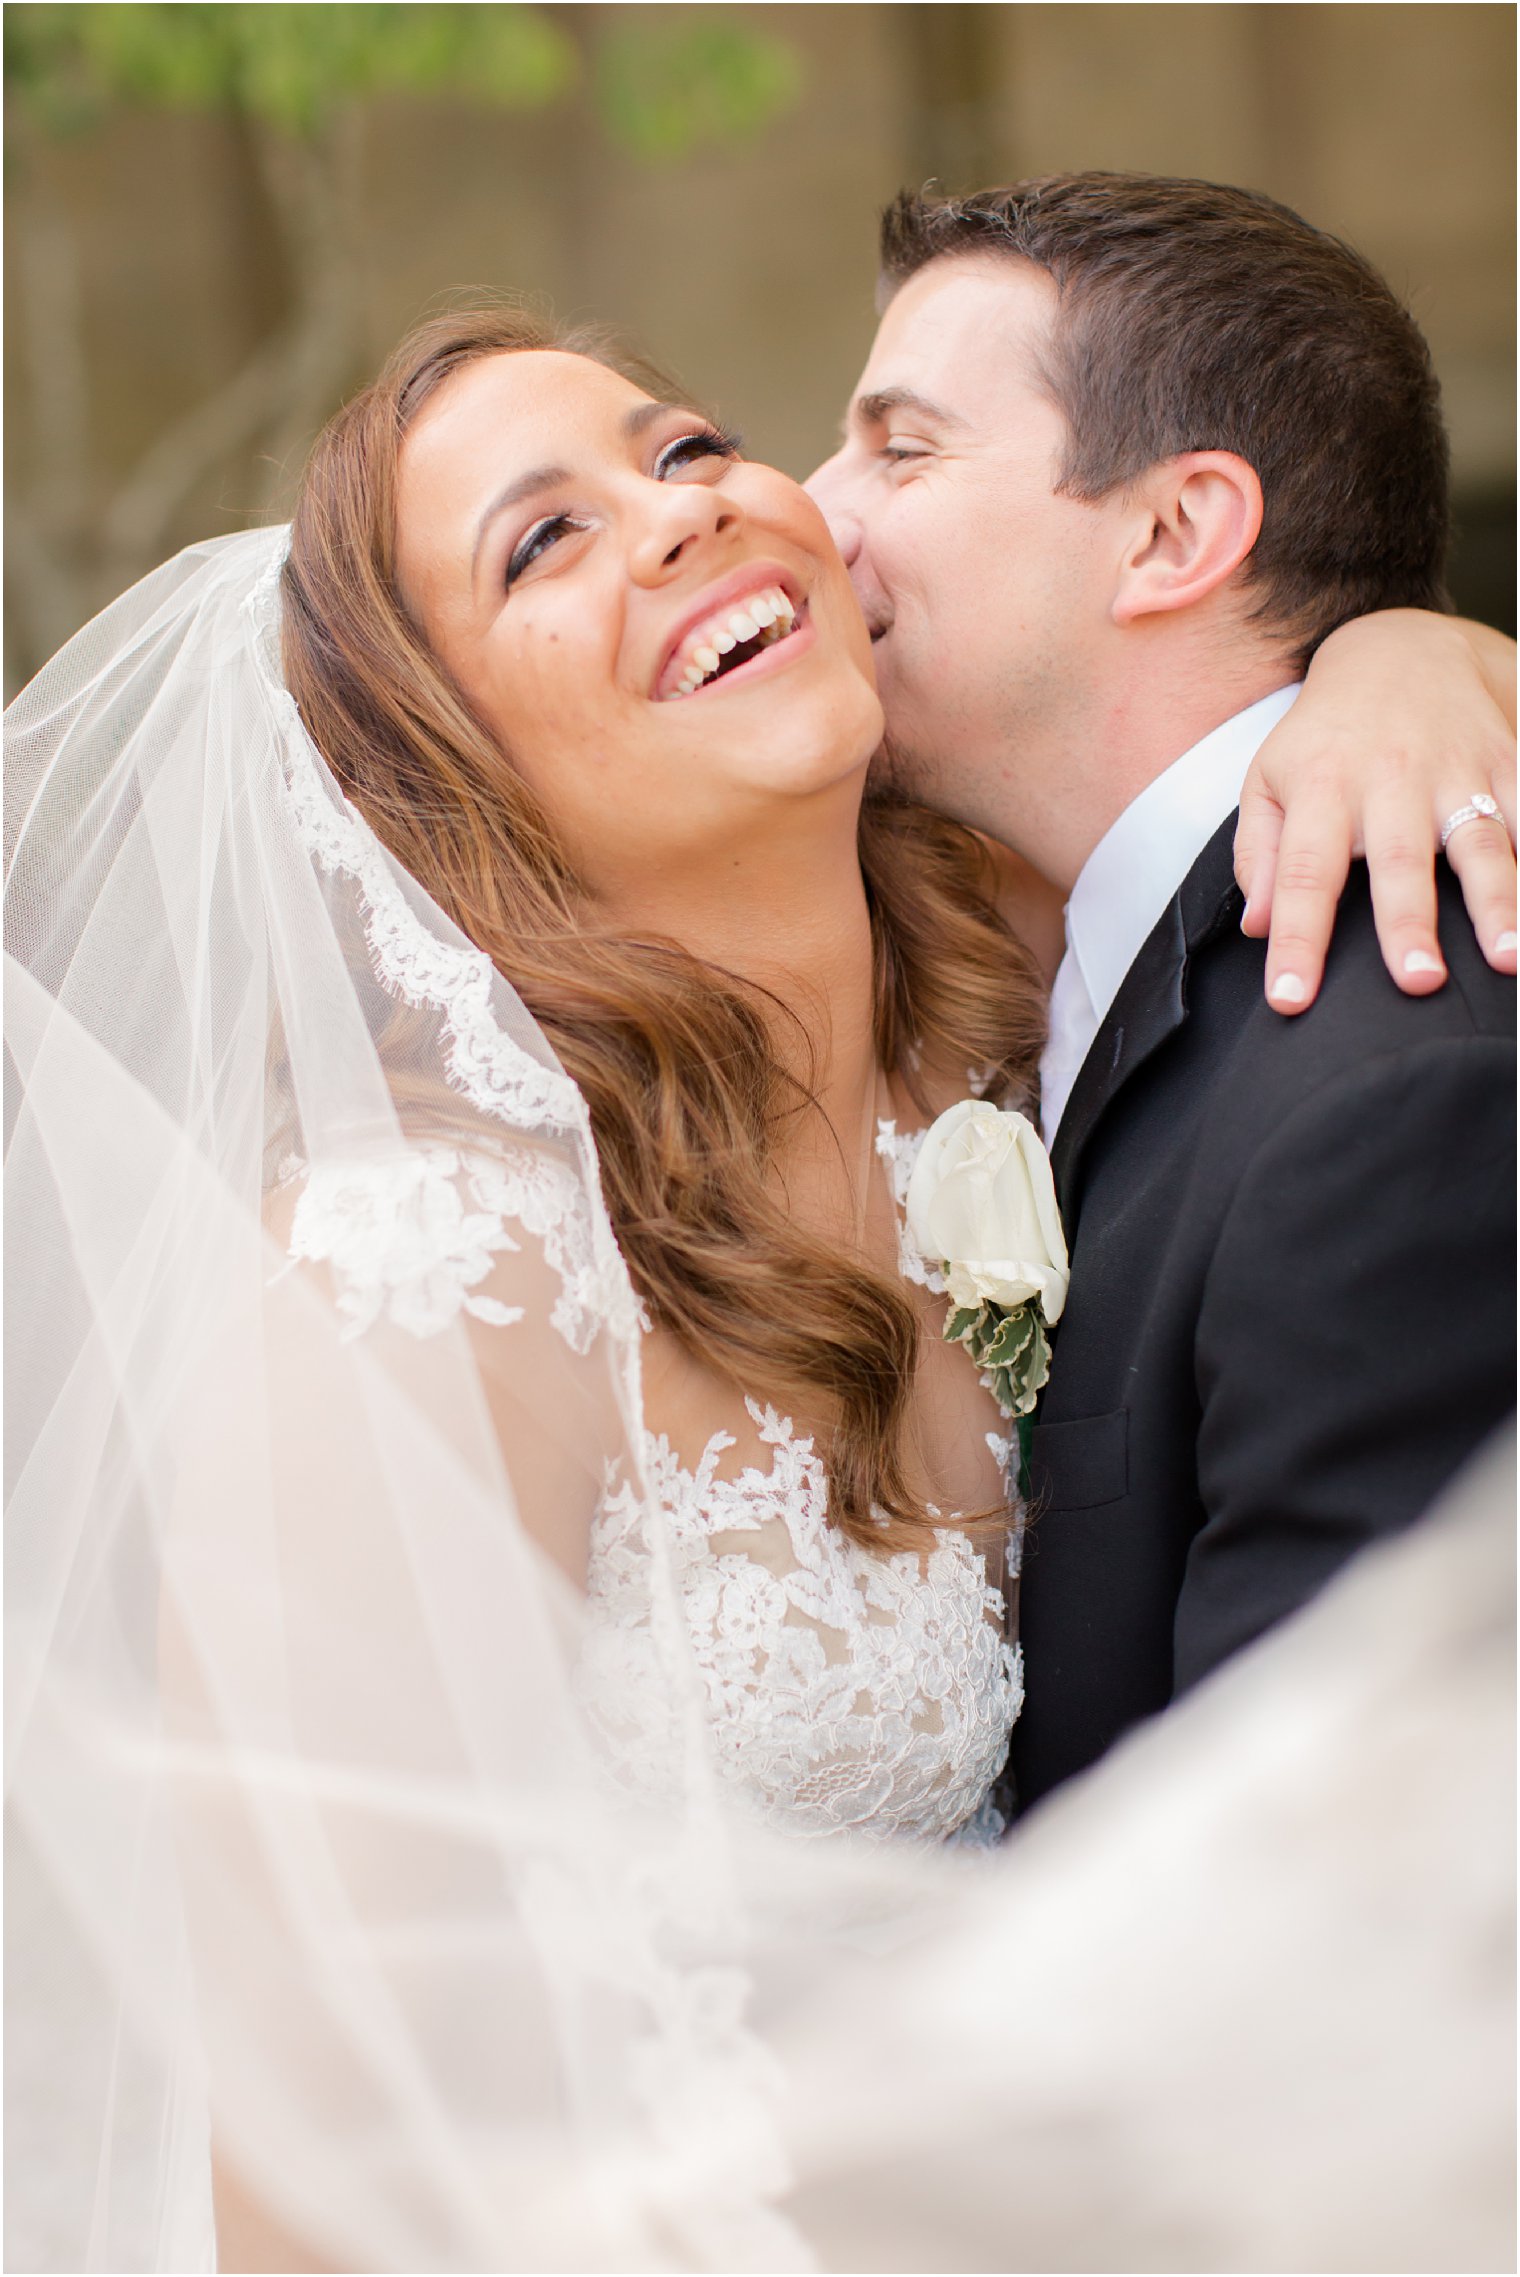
{"x":1507,"y":941}
{"x":1421,"y":960}
{"x":1288,"y":989}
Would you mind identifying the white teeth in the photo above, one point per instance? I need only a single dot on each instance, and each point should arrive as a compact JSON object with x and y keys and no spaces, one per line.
{"x":768,"y":615}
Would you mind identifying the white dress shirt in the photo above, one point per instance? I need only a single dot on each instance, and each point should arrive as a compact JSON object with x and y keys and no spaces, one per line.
{"x":1131,"y":875}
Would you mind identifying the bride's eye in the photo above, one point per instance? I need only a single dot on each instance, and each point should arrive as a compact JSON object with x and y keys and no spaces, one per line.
{"x":535,"y":543}
{"x":688,"y":450}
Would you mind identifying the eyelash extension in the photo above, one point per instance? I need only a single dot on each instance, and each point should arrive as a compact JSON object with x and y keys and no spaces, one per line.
{"x":531,"y":543}
{"x":703,"y":442}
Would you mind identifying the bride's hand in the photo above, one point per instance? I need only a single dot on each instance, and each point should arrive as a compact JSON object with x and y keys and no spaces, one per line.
{"x":1404,"y":716}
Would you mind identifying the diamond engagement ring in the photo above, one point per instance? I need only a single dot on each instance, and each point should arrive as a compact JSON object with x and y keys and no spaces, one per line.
{"x":1479,"y":808}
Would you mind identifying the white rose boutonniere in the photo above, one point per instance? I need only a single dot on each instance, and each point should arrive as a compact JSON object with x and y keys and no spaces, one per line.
{"x":982,"y":1199}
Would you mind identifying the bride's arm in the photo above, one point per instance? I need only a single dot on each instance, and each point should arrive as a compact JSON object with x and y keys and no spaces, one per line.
{"x":387,"y":1467}
{"x":1404,"y":715}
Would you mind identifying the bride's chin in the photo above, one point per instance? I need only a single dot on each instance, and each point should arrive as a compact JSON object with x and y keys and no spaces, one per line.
{"x":849,"y":734}
{"x":802,"y":748}
{"x":832,"y":771}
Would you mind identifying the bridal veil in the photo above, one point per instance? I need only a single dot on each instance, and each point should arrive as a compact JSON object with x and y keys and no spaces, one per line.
{"x":321,"y":1356}
{"x":329,"y":1352}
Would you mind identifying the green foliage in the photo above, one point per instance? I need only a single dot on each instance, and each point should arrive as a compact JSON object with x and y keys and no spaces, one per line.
{"x":670,"y":81}
{"x":286,"y":65}
{"x":1010,"y":1348}
{"x":664,"y":81}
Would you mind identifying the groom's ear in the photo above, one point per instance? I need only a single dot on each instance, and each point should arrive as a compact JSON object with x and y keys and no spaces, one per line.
{"x":1192,"y":522}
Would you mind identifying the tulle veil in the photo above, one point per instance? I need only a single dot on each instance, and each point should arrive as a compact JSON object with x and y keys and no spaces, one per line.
{"x":321,"y":1353}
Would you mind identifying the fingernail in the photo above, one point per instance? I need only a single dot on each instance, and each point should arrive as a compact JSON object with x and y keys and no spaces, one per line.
{"x":1287,"y":989}
{"x":1421,"y":960}
{"x":1507,"y":941}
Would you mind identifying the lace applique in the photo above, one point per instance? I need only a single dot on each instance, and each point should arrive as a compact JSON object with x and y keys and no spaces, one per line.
{"x":546,"y":1198}
{"x":900,"y":1153}
{"x":401,"y":1242}
{"x":845,"y":1690}
{"x":410,"y":1235}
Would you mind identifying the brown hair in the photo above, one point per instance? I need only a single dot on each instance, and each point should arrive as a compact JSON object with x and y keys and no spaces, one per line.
{"x":1196,"y":317}
{"x":676,"y":1059}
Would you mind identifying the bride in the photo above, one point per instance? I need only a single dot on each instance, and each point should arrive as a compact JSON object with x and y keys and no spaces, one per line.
{"x":759,"y":1018}
{"x":485,"y":1455}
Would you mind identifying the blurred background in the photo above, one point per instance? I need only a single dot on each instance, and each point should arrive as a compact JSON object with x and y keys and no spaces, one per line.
{"x":221,"y":217}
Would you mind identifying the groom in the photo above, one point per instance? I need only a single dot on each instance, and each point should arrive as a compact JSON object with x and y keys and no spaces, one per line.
{"x":1124,"y":452}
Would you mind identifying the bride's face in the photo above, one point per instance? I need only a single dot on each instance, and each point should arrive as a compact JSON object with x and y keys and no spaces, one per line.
{"x":581,"y":557}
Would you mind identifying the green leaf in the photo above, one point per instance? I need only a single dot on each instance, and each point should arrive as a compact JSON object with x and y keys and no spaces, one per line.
{"x":1010,"y":1348}
{"x":1012,"y":1333}
{"x":44,"y":70}
{"x":283,"y":62}
{"x":525,"y":61}
{"x":1013,"y":1352}
{"x":1033,"y":1368}
{"x":666,"y":87}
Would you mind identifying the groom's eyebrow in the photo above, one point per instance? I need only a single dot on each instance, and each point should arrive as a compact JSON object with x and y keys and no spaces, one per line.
{"x":870,"y":410}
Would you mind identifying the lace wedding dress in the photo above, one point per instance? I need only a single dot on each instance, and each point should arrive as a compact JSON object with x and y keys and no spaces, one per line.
{"x":847,"y":1690}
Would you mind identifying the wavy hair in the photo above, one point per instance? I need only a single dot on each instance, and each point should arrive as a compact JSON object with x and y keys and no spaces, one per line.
{"x":676,"y":1059}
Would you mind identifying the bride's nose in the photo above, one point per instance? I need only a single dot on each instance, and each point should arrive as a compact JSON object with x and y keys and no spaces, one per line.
{"x":675,"y":523}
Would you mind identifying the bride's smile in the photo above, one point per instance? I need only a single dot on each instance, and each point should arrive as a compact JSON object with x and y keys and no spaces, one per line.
{"x":659,"y":632}
{"x":738,"y":625}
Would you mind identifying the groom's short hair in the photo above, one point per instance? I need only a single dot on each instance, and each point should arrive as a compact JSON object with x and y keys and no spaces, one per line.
{"x":1195,"y":317}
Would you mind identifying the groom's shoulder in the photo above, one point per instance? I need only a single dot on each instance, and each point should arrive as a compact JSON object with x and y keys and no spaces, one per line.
{"x":1360,"y":1016}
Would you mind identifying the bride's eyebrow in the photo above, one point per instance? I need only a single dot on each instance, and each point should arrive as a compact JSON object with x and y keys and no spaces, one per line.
{"x":538,"y":478}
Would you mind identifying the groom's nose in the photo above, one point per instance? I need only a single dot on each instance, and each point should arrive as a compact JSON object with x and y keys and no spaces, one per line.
{"x":829,"y":488}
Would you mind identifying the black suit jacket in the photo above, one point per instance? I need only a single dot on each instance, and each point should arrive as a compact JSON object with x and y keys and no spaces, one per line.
{"x":1292,"y":1308}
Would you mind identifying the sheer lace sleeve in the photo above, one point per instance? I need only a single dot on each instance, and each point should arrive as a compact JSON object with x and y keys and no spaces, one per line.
{"x":492,"y":1243}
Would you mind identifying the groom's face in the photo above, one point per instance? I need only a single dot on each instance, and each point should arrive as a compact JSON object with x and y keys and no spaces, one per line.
{"x":984,"y":590}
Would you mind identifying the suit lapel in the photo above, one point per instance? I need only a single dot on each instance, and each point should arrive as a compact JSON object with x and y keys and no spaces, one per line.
{"x":1151,"y":1006}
